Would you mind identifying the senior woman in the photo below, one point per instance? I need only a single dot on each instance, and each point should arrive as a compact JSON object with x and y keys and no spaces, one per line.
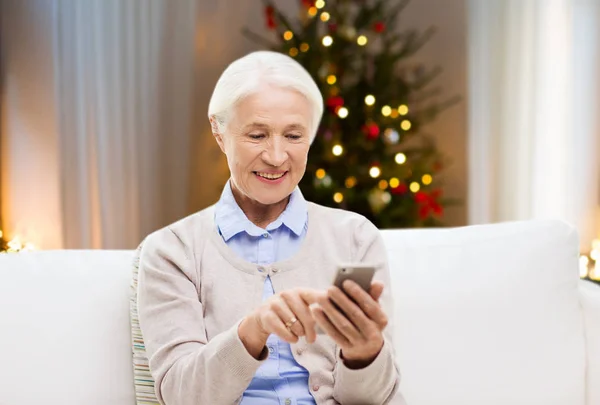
{"x":231,"y":298}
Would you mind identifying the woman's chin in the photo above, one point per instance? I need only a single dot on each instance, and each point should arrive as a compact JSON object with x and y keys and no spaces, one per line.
{"x":271,"y":198}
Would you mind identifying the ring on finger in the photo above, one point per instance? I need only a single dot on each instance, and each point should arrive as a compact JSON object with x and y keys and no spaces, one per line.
{"x":291,"y":323}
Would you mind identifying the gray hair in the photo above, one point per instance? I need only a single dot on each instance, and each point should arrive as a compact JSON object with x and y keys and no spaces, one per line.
{"x":244,"y":77}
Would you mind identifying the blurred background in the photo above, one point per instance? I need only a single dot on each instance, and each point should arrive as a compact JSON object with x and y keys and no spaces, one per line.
{"x":438,"y":112}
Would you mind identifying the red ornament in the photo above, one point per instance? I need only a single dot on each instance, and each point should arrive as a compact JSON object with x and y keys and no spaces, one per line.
{"x":308,"y":3}
{"x":379,"y":27}
{"x":401,"y":189}
{"x":335,"y":102}
{"x":371,"y":130}
{"x":429,"y":204}
{"x":270,"y":17}
{"x":332,"y":27}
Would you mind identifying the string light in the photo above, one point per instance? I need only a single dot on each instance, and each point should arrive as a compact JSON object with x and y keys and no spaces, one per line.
{"x":361,"y":40}
{"x":394,"y":114}
{"x":374,"y":172}
{"x":427,"y":179}
{"x":350,"y":182}
{"x":394,"y":182}
{"x":400,"y":158}
{"x":386,"y":197}
{"x":331,"y":79}
{"x":584,"y":263}
{"x":293,"y":51}
{"x":288,"y":35}
{"x":327,"y":40}
{"x":320,"y":173}
{"x":337,"y":150}
{"x":304,"y":47}
{"x":342,"y":112}
{"x":325,"y":16}
{"x":386,"y":110}
{"x":312,"y":11}
{"x":405,"y":125}
{"x":370,"y":99}
{"x":403,"y":109}
{"x":16,"y":245}
{"x":383,"y":184}
{"x":414,"y":186}
{"x":319,"y":4}
{"x":338,"y":197}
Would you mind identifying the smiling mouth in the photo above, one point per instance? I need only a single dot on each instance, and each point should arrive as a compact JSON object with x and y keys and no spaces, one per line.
{"x":270,"y":176}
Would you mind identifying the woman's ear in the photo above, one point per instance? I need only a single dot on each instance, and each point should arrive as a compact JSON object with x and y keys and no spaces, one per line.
{"x":214,"y":125}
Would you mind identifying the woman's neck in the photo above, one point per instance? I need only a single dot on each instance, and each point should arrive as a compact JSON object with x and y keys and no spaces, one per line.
{"x":259,"y":214}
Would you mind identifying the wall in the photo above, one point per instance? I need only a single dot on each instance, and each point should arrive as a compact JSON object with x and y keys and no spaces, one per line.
{"x":220,"y":41}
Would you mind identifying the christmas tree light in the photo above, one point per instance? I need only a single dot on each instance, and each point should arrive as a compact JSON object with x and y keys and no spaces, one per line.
{"x":374,"y":172}
{"x":400,"y":158}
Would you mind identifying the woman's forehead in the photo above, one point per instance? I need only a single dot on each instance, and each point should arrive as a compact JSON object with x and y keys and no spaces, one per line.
{"x":266,"y":107}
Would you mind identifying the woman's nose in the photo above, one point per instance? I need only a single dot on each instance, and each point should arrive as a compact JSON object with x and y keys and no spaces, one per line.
{"x":275,"y":154}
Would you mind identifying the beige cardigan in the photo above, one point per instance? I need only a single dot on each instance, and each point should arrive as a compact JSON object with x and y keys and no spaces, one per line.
{"x":193,"y":291}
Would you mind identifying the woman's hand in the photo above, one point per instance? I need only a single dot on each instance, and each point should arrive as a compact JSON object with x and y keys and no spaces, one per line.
{"x":358,"y":323}
{"x":285,"y":314}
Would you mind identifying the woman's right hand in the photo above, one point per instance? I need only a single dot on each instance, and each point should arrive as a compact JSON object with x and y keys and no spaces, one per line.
{"x":285,"y":314}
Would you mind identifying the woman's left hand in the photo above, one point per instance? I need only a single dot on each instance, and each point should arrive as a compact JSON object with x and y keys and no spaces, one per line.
{"x":357,"y":325}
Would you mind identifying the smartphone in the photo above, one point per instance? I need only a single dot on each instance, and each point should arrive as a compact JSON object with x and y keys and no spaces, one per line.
{"x":361,"y":274}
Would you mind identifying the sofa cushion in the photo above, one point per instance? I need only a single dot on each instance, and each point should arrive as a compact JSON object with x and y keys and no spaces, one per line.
{"x":65,"y":328}
{"x":144,"y":383}
{"x":489,"y":314}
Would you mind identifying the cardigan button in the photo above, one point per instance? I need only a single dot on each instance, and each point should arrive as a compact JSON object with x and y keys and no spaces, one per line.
{"x":315,"y":388}
{"x":261,"y":269}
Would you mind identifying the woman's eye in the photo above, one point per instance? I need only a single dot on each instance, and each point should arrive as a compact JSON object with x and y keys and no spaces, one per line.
{"x":293,"y":136}
{"x":256,"y":136}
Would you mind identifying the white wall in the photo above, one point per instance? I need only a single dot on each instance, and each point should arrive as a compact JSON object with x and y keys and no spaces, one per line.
{"x":220,"y":41}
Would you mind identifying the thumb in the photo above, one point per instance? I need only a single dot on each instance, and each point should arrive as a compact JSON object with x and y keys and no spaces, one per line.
{"x":376,"y":290}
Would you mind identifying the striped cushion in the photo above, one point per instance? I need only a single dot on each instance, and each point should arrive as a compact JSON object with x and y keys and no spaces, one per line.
{"x":144,"y":384}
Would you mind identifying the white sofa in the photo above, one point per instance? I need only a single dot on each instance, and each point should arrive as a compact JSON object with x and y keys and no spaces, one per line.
{"x":486,"y":315}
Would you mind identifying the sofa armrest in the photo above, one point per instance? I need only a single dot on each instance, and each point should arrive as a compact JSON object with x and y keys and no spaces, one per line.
{"x":589,"y":298}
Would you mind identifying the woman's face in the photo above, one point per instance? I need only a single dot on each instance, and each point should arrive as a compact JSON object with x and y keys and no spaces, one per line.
{"x":266,"y":143}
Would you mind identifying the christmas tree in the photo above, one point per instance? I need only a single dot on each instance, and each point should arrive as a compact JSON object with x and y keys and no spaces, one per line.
{"x":370,"y":154}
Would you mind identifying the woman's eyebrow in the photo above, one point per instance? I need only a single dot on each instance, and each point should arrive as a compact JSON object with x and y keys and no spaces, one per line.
{"x":296,"y":126}
{"x":254,"y":125}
